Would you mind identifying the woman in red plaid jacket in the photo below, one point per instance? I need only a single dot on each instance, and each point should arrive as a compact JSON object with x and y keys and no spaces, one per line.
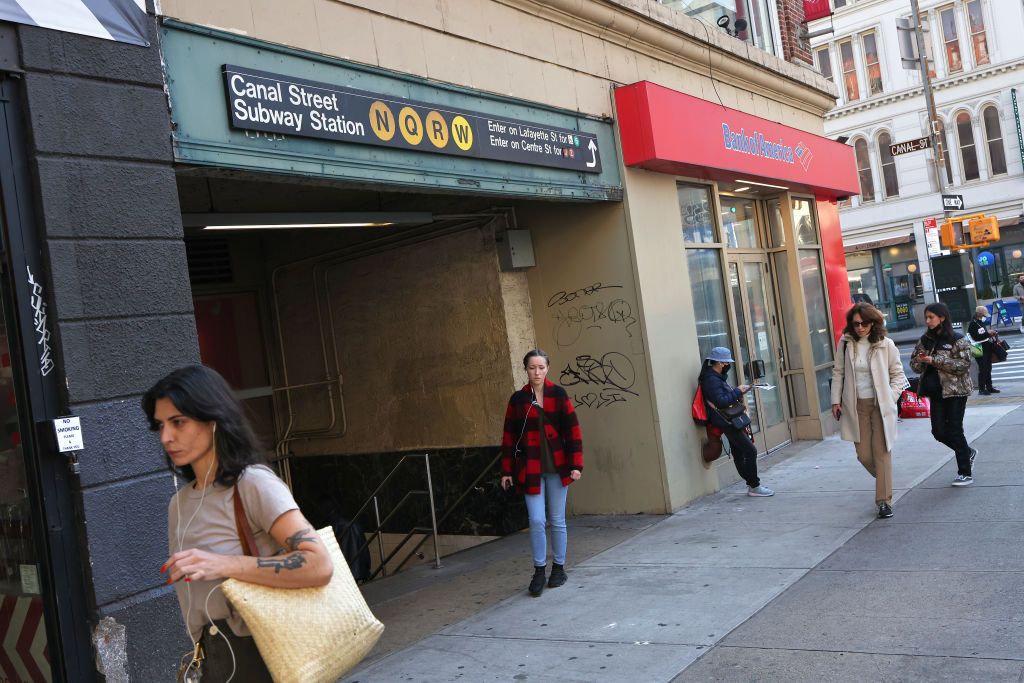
{"x":542,"y":468}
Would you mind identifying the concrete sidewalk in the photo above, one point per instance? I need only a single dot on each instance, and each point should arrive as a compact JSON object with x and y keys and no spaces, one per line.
{"x":796,"y":573}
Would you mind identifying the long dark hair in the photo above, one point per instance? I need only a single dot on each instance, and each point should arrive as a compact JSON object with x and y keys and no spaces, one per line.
{"x":945,"y":329}
{"x":202,"y":394}
{"x":868,"y":314}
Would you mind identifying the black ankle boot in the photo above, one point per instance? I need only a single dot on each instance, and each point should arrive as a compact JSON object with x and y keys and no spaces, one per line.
{"x":557,"y":577}
{"x":537,"y":583}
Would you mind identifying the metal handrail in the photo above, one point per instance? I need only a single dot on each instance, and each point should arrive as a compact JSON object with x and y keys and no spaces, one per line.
{"x":428,"y":532}
{"x":377,"y":534}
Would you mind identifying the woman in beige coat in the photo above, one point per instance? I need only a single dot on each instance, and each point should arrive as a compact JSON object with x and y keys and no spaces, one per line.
{"x":867,"y":379}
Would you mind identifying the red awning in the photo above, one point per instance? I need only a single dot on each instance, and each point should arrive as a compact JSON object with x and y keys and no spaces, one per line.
{"x":671,"y":132}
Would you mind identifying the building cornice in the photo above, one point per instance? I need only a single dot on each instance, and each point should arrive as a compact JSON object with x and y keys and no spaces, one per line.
{"x":668,"y":35}
{"x":939,"y":85}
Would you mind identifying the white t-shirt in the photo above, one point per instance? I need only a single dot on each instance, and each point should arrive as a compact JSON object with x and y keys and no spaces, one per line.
{"x":862,"y":368}
{"x":208,"y":523}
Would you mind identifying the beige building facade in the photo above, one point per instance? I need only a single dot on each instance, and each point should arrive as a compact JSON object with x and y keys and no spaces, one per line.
{"x":365,"y":343}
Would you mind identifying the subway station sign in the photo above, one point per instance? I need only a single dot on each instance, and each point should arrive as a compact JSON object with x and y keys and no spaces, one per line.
{"x":273,"y":103}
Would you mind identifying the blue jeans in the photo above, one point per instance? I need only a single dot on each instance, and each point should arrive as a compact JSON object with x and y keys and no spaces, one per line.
{"x":551,"y":491}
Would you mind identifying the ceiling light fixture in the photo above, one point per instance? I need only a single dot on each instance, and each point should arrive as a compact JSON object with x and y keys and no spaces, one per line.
{"x":741,"y":189}
{"x":754,"y":182}
{"x":300,"y":220}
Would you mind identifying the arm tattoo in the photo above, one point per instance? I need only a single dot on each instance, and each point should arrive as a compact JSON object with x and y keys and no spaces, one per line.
{"x":293,"y":541}
{"x":293,"y":561}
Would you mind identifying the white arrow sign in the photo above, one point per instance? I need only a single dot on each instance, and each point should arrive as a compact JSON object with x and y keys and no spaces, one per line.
{"x":593,"y":154}
{"x":953,"y":202}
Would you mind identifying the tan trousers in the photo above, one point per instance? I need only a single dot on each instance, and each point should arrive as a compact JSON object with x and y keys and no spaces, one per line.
{"x":871,"y":450}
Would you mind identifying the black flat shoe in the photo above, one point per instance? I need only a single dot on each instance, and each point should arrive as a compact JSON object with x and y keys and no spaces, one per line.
{"x":537,"y":582}
{"x":984,"y":392}
{"x":884,"y":511}
{"x":993,"y":390}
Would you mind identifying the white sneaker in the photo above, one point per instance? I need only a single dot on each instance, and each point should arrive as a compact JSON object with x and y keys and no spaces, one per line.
{"x":759,"y":491}
{"x":961,"y":480}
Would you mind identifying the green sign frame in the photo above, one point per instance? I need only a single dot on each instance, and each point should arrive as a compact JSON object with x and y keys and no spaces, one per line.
{"x":196,"y":58}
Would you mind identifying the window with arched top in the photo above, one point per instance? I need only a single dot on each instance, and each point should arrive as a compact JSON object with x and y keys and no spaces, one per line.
{"x":968,"y":150}
{"x":946,"y":153}
{"x":890,"y":182}
{"x":867,"y":188}
{"x":994,"y":141}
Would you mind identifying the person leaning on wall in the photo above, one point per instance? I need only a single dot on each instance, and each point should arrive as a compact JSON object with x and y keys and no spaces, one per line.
{"x":720,"y":395}
{"x":867,"y":379}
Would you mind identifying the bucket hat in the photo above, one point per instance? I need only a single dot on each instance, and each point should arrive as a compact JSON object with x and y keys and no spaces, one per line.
{"x":720,"y":354}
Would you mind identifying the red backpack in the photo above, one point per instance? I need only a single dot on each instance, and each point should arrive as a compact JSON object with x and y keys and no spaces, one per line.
{"x":699,"y":409}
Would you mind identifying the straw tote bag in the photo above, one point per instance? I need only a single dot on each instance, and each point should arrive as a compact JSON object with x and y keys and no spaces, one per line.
{"x":305,"y":635}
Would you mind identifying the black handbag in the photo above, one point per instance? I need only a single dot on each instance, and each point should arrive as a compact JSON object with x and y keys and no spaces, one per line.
{"x":999,"y":350}
{"x":929,"y":383}
{"x":734,"y":413}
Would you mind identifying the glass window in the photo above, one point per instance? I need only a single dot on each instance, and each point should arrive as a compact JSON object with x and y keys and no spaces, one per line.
{"x":748,"y":20}
{"x":824,"y":63}
{"x":994,"y":140}
{"x":976,"y":25}
{"x":889,"y":179}
{"x":929,"y":51}
{"x":803,"y":223}
{"x":947,"y":162}
{"x":838,"y":3}
{"x":968,"y":152}
{"x":739,"y":222}
{"x":872,"y":67}
{"x":849,"y":71}
{"x":954,"y":62}
{"x":867,"y":188}
{"x":817,"y":310}
{"x":695,"y":212}
{"x":708,"y":286}
{"x":776,"y":229}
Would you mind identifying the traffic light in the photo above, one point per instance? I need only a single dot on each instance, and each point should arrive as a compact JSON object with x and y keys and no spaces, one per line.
{"x":983,"y":229}
{"x":947,"y":235}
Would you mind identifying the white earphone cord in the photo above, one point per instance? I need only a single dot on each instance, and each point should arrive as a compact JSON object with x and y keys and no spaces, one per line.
{"x":188,"y":585}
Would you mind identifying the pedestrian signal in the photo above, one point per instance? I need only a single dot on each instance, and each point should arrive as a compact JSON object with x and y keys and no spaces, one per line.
{"x":983,"y":230}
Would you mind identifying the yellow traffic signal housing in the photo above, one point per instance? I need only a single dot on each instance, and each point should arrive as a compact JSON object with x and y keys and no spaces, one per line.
{"x":947,"y":235}
{"x":983,"y":229}
{"x":978,"y":231}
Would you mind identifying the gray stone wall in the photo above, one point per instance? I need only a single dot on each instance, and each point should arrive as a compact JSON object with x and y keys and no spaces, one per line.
{"x":101,"y":157}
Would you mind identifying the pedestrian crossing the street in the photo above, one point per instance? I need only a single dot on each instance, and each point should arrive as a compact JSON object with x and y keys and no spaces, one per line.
{"x":1012,"y":369}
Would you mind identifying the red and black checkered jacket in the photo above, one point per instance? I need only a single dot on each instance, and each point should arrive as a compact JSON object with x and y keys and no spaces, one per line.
{"x":522,"y":433}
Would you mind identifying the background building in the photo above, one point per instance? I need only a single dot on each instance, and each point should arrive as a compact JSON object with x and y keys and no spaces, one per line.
{"x":976,"y":63}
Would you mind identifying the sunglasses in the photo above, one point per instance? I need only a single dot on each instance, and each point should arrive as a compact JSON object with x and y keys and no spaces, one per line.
{"x":858,"y":323}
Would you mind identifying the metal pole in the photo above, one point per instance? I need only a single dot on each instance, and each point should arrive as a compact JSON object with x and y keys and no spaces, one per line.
{"x":938,"y":143}
{"x":380,"y":538}
{"x":433,"y":513}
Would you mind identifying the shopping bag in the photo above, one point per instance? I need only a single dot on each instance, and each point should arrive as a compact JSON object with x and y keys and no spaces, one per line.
{"x":711,"y":449}
{"x":912,"y":405}
{"x":999,"y":351}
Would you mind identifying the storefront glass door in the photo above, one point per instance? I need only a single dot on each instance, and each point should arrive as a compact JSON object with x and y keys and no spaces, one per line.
{"x":23,"y":652}
{"x":757,"y":363}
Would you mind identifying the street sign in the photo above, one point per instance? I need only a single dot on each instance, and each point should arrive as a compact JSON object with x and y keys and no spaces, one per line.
{"x":953,"y":202}
{"x":910,"y":146}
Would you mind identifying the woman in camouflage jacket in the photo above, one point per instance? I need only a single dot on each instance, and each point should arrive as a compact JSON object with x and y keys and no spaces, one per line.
{"x":946,"y":355}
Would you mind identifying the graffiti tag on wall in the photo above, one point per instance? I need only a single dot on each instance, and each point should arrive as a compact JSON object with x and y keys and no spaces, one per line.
{"x":39,"y":320}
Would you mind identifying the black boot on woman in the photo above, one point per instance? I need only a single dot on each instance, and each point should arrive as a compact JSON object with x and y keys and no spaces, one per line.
{"x":537,"y":583}
{"x":558,"y":576}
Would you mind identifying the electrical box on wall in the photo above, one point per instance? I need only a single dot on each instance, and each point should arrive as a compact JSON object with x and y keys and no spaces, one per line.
{"x":515,"y":250}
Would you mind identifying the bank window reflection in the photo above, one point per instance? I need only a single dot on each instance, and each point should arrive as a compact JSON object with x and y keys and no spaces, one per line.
{"x":704,"y":264}
{"x":695,"y":211}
